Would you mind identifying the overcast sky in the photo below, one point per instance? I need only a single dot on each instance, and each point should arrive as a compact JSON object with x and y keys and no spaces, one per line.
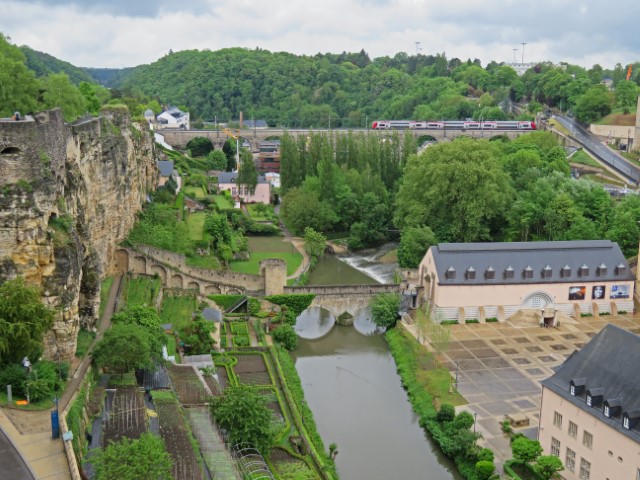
{"x":123,"y":33}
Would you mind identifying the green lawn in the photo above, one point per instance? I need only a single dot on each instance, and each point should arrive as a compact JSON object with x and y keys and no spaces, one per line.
{"x":260,"y":217}
{"x":252,"y":265}
{"x":223,"y":202}
{"x":208,"y":261}
{"x":618,"y":117}
{"x":105,"y":289}
{"x":177,"y":310}
{"x":270,"y":244}
{"x":142,"y":290}
{"x":195,"y":192}
{"x":170,"y":340}
{"x":584,"y":158}
{"x":85,"y":338}
{"x":195,"y":224}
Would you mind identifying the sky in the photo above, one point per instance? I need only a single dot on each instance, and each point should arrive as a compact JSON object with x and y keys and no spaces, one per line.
{"x":125,"y":33}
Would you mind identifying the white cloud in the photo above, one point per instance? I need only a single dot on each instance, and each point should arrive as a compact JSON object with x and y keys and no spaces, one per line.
{"x":117,"y":33}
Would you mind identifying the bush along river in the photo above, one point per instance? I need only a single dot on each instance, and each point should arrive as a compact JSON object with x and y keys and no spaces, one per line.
{"x":351,"y":385}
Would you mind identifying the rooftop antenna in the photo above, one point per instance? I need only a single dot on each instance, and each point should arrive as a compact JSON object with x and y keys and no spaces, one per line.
{"x":418,"y":47}
{"x":514,"y":54}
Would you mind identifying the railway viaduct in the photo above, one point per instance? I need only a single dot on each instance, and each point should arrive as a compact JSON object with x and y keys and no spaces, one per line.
{"x":173,"y":271}
{"x":179,"y":138}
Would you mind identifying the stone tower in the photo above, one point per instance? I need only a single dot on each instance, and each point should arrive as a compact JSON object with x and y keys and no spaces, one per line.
{"x":274,"y":272}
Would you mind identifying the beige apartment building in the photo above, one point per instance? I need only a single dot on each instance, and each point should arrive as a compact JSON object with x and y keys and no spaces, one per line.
{"x":590,"y":409}
{"x":482,"y":280}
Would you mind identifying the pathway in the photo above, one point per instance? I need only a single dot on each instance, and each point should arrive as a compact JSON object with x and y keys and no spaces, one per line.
{"x":499,"y":367}
{"x":30,"y":431}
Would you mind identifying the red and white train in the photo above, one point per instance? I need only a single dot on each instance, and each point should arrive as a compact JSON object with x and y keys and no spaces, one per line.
{"x":453,"y":125}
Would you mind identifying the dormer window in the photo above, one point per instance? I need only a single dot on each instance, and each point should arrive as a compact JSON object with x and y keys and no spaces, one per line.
{"x":490,"y":273}
{"x":594,"y":396}
{"x":625,"y":422}
{"x":547,"y":272}
{"x":607,"y":411}
{"x":450,"y":274}
{"x":470,"y":274}
{"x":572,"y":389}
{"x":576,"y":385}
{"x":589,"y":400}
{"x":509,"y":272}
{"x":601,"y":270}
{"x":583,"y":271}
{"x":565,"y":271}
{"x":630,"y":419}
{"x":621,"y":269}
{"x":612,"y":407}
{"x":527,"y":272}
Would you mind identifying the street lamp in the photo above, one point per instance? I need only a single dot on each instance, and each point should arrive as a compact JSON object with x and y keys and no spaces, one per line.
{"x":475,"y":417}
{"x":523,"y":44}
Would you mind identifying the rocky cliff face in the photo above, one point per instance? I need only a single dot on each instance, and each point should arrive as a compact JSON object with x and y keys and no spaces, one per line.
{"x":68,"y":194}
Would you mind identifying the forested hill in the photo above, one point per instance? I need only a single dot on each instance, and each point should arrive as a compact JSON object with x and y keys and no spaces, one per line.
{"x":43,"y":64}
{"x":349,"y":88}
{"x":110,"y":77}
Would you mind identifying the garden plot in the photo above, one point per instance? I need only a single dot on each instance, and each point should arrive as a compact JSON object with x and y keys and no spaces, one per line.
{"x":219,"y":462}
{"x":290,"y":467}
{"x":124,"y":414}
{"x":251,"y":369}
{"x":178,"y":441}
{"x":154,"y":379}
{"x":188,"y":386}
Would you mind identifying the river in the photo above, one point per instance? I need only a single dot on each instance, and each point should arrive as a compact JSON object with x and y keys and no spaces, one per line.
{"x":352,"y":387}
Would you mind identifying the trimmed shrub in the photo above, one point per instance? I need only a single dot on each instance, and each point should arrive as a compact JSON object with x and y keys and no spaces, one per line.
{"x":449,"y":322}
{"x":484,"y":469}
{"x":296,"y":302}
{"x":446,"y":413}
{"x":286,"y":336}
{"x":16,"y":376}
{"x":491,"y":320}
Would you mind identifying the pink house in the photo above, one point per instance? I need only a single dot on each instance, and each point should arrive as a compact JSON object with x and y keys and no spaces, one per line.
{"x":228,"y":181}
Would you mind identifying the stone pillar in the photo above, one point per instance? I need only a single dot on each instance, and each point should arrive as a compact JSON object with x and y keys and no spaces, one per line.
{"x":635,"y":144}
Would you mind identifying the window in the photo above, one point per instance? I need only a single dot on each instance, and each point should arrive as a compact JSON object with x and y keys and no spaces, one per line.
{"x":607,"y":412}
{"x":573,"y":430}
{"x":573,"y":389}
{"x":585,"y":470}
{"x":625,"y":422}
{"x":589,"y":401}
{"x":587,"y":439}
{"x":570,"y":460}
{"x":555,"y":447}
{"x":557,"y":419}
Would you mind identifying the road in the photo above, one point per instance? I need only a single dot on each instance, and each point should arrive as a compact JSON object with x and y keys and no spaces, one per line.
{"x":13,"y":465}
{"x":596,"y":147}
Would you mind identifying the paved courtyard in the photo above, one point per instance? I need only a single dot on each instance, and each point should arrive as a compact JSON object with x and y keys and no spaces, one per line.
{"x":499,"y":367}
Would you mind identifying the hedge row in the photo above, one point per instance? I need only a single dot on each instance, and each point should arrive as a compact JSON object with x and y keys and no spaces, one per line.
{"x":296,"y":302}
{"x":226,"y":301}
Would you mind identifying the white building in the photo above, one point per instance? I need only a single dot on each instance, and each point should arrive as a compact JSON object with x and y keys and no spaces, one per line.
{"x":173,"y":118}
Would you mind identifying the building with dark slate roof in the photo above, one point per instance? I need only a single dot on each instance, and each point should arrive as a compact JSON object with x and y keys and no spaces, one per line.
{"x":482,"y":280}
{"x":590,"y":412}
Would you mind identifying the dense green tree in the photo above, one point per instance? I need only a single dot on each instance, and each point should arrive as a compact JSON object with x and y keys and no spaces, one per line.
{"x":384,"y":309}
{"x":485,"y":469}
{"x":124,"y":348}
{"x":147,"y":318}
{"x":244,"y":414}
{"x":286,"y":336}
{"x":142,"y":458}
{"x":58,"y":91}
{"x":626,"y":95}
{"x":19,"y":86}
{"x":459,"y":189}
{"x":197,"y":336}
{"x":217,"y":160}
{"x":525,"y":450}
{"x":88,"y":91}
{"x":24,"y":320}
{"x":314,"y":242}
{"x":247,"y":174}
{"x":199,"y":146}
{"x":593,"y":105}
{"x":217,"y":226}
{"x":548,"y":466}
{"x":301,"y":209}
{"x":414,"y":243}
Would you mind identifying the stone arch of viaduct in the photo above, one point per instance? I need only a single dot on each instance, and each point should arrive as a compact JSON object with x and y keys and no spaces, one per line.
{"x":180,"y":138}
{"x":174,"y":272}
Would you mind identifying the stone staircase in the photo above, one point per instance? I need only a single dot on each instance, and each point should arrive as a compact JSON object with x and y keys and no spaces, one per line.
{"x":525,"y":317}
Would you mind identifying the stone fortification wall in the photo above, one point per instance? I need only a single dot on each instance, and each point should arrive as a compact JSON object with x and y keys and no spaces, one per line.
{"x":68,"y":194}
{"x":613,"y":131}
{"x":177,"y":262}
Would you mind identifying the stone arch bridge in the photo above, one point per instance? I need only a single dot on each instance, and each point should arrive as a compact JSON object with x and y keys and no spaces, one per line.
{"x":339,"y":299}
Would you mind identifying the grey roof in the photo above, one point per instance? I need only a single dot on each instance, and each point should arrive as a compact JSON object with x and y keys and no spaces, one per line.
{"x":232,"y":177}
{"x":610,"y":363}
{"x":166,"y":168}
{"x":212,"y":315}
{"x":536,"y":256}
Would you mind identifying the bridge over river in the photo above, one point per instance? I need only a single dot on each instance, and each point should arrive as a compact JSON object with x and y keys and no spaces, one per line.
{"x":179,"y":138}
